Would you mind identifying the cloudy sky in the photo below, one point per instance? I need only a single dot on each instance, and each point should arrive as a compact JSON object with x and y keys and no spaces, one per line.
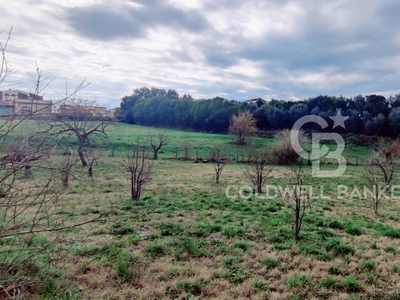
{"x":237,"y":49}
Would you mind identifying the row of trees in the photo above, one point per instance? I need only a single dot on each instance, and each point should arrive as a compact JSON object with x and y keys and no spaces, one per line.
{"x":369,"y":115}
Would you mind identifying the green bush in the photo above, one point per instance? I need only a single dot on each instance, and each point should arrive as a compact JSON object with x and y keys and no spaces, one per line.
{"x":339,"y":248}
{"x":392,"y":233}
{"x":328,"y":282}
{"x":333,"y":223}
{"x":351,"y":284}
{"x":156,"y":250}
{"x":121,"y":229}
{"x":297,"y":281}
{"x":354,"y":230}
{"x":207,"y":229}
{"x":390,"y":249}
{"x":233,"y":231}
{"x":230,"y":261}
{"x":259,"y":285}
{"x":194,"y":288}
{"x":169,"y":229}
{"x":368,"y":265}
{"x":333,"y":270}
{"x":270,"y":263}
{"x":190,"y":246}
{"x":242,"y":245}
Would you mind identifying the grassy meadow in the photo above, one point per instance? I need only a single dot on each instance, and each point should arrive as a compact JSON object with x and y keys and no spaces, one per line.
{"x":185,"y":239}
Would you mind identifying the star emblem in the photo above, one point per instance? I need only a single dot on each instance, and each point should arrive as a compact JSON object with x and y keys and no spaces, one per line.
{"x":339,"y":120}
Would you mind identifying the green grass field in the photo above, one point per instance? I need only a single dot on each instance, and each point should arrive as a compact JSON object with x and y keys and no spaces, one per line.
{"x":185,"y":239}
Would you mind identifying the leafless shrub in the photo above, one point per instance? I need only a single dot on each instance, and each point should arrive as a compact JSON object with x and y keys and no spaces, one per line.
{"x":186,"y":147}
{"x":219,"y":164}
{"x":66,"y":168}
{"x":139,"y":168}
{"x":260,"y":166}
{"x":284,"y":151}
{"x":296,"y":196}
{"x":382,"y":168}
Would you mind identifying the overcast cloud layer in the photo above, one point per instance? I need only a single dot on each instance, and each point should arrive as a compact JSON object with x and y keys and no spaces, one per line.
{"x":282,"y":49}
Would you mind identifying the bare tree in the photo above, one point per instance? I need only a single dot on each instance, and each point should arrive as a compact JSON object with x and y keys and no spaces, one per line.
{"x":139,"y":168}
{"x":66,"y":168}
{"x":5,"y":70}
{"x":93,"y":159}
{"x":219,"y":164}
{"x":186,"y":147}
{"x":242,"y":126}
{"x":260,"y":166}
{"x":82,"y":119}
{"x":157,"y":143}
{"x":381,"y":171}
{"x":29,"y":206}
{"x":284,"y":151}
{"x":38,"y":80}
{"x":297,"y":197}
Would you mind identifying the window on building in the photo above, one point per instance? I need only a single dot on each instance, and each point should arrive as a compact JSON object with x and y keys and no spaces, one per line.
{"x":26,"y":110}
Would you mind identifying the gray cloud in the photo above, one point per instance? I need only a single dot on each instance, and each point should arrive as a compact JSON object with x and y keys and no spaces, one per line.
{"x":103,"y":22}
{"x":281,"y":49}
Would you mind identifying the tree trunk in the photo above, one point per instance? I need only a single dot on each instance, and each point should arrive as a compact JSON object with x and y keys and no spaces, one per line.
{"x":259,"y":188}
{"x":82,"y":156}
{"x":113,"y":150}
{"x":297,"y":223}
{"x":155,"y":156}
{"x":376,"y":210}
{"x":28,"y":171}
{"x":132,"y":188}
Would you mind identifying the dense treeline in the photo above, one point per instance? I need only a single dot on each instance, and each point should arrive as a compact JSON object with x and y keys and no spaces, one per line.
{"x":369,"y":115}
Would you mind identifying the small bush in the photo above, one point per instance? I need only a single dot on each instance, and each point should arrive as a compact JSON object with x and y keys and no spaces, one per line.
{"x":230,"y":261}
{"x":392,"y":233}
{"x":270,"y":263}
{"x":121,"y":229}
{"x":156,"y":250}
{"x":310,"y":250}
{"x":354,"y":230}
{"x":333,"y":270}
{"x":272,"y":208}
{"x":390,"y":249}
{"x":242,"y":245}
{"x":371,"y":278}
{"x":259,"y":285}
{"x":233,"y":231}
{"x":297,"y":281}
{"x":190,"y":246}
{"x":328,"y":282}
{"x":128,"y":268}
{"x":169,"y":229}
{"x":395,"y":269}
{"x":339,"y":248}
{"x":374,"y":245}
{"x":205,"y":230}
{"x":368,"y":265}
{"x":194,"y":288}
{"x":325,"y":233}
{"x":334,"y":224}
{"x":351,"y":284}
